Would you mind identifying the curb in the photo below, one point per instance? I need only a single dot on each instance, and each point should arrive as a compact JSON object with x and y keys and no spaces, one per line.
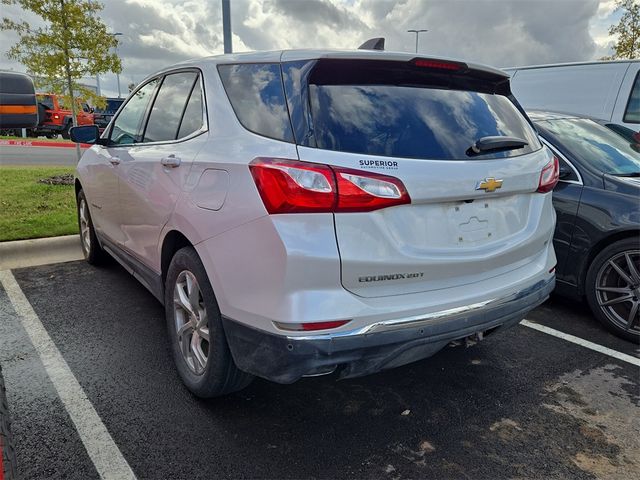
{"x":40,"y":251}
{"x":38,"y":143}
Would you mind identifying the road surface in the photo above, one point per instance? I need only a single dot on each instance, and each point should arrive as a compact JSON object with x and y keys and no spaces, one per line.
{"x":41,"y":156}
{"x":520,"y":404}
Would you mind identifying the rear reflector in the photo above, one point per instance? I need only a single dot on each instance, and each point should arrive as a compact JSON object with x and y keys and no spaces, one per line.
{"x":306,"y":327}
{"x":549,"y":176}
{"x":291,"y":186}
{"x":438,"y":64}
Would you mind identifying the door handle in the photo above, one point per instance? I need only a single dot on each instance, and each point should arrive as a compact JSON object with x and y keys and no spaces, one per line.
{"x":171,"y":161}
{"x":114,"y":160}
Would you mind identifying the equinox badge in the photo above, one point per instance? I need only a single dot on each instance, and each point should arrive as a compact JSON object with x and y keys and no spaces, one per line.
{"x":489,"y":184}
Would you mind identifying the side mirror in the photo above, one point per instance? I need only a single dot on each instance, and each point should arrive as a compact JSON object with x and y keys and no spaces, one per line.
{"x":564,"y":172}
{"x":85,"y":134}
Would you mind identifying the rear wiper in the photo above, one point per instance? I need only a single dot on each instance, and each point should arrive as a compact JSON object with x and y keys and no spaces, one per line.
{"x":488,"y":144}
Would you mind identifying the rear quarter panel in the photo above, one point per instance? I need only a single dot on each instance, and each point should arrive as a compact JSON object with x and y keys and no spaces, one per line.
{"x":602,"y":217}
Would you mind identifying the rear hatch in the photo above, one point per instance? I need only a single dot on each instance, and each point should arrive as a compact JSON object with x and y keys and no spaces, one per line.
{"x":472,"y":215}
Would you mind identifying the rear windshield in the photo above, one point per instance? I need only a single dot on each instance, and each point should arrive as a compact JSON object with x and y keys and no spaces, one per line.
{"x":46,"y":100}
{"x":414,"y":121}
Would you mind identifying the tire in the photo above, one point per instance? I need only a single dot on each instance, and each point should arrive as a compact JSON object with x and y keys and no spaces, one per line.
{"x":207,"y":368}
{"x":613,"y":288}
{"x":8,"y":465}
{"x":91,"y":248}
{"x":65,"y":131}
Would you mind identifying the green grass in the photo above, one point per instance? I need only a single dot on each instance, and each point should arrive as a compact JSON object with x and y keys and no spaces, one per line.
{"x":29,"y":209}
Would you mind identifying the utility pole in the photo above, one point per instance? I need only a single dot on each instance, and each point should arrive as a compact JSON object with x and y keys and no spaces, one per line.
{"x":417,"y":32}
{"x":226,"y":26}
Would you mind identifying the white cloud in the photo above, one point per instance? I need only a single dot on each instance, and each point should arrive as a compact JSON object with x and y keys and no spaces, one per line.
{"x":499,"y":32}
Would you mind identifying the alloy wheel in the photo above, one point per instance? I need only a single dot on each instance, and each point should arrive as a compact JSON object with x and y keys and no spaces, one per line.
{"x":191,"y":322}
{"x":85,"y":230}
{"x":618,"y":290}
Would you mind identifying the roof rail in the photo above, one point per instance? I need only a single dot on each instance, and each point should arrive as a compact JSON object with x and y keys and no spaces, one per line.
{"x":373,"y":44}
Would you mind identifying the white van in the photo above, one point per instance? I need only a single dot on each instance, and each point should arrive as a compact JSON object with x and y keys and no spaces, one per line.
{"x":606,"y":90}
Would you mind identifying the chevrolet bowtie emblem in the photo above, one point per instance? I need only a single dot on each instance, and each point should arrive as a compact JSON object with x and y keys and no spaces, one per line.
{"x":489,"y":184}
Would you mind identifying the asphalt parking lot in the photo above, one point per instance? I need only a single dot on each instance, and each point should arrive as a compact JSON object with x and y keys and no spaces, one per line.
{"x":520,"y":404}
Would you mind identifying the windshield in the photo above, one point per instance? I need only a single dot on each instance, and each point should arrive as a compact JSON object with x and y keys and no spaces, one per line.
{"x":414,"y":121}
{"x":595,"y":145}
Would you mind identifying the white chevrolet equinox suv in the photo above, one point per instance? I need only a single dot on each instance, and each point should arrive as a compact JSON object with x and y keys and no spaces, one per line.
{"x":305,"y":212}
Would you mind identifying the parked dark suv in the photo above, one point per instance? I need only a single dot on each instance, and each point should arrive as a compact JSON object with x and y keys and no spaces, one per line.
{"x":102,"y":116}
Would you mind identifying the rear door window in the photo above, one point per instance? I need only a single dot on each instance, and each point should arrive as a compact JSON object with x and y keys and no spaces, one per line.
{"x":632,"y":113}
{"x":256,"y":94}
{"x":413,"y":121}
{"x":168,"y":107}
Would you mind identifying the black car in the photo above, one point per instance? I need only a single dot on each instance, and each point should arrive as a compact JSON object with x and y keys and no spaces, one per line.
{"x":597,"y":201}
{"x":102,"y":116}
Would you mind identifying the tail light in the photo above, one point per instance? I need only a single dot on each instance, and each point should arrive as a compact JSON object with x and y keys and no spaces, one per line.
{"x":291,"y":186}
{"x":549,"y":176}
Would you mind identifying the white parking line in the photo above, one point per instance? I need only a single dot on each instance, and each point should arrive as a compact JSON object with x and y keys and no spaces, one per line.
{"x":100,"y":446}
{"x":582,"y":342}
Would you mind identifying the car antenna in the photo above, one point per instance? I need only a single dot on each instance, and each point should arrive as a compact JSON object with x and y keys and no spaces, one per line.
{"x":373,"y":44}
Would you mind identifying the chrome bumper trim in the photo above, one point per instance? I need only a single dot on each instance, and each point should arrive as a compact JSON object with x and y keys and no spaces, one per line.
{"x":435,"y":317}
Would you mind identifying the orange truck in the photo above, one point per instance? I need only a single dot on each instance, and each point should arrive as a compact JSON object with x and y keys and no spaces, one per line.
{"x":55,"y":117}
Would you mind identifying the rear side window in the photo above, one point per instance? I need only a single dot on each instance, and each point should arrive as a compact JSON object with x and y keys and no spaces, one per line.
{"x":166,"y":114}
{"x":257,"y":97}
{"x":127,"y":128}
{"x":632,"y":113}
{"x":413,"y":121}
{"x":193,"y":114}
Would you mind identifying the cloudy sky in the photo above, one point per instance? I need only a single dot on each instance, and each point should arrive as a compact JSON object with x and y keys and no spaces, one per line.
{"x":498,"y":32}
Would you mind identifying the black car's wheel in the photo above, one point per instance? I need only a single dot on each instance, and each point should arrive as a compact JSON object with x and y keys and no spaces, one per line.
{"x":194,"y":324}
{"x":8,"y":468}
{"x":91,"y":249}
{"x":613,"y":288}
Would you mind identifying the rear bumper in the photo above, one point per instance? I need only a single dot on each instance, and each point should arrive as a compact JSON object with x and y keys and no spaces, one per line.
{"x":380,"y":346}
{"x":53,"y":128}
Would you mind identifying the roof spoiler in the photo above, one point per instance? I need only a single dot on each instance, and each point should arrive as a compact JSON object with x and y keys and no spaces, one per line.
{"x":373,"y":44}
